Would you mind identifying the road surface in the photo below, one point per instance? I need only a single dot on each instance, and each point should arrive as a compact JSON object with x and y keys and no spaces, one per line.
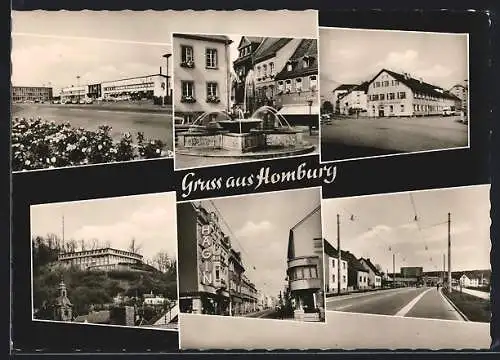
{"x":155,"y":125}
{"x":352,"y":138}
{"x":425,"y":302}
{"x":267,"y":314}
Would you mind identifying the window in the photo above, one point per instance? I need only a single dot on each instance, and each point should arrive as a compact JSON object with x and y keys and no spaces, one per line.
{"x":271,"y":68}
{"x":333,"y":263}
{"x":313,"y":82}
{"x":289,"y":67}
{"x":305,"y":63}
{"x":258,"y":71}
{"x":280,"y":85}
{"x":298,"y":84}
{"x":343,"y":265}
{"x":211,"y":58}
{"x":300,"y":274}
{"x":391,"y":108}
{"x":402,"y":108}
{"x":211,"y":89}
{"x":377,"y":84}
{"x":288,"y":85}
{"x":333,"y":277}
{"x":390,"y":96}
{"x":217,"y":273}
{"x":375,"y":97}
{"x":314,"y":272}
{"x":187,"y":88}
{"x":264,"y":70}
{"x":186,"y":53}
{"x":382,"y":96}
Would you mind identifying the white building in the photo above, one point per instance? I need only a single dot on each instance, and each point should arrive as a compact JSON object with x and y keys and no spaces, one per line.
{"x":465,"y":281}
{"x":153,"y":300}
{"x":374,"y":277}
{"x":102,"y":259}
{"x":73,"y":93}
{"x":148,"y":87}
{"x":338,"y":92}
{"x":354,"y":100}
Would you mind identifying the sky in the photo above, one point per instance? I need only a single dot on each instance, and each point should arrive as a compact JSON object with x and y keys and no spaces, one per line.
{"x":261,"y":225}
{"x":57,"y":47}
{"x":150,"y":219}
{"x":387,"y":221}
{"x":354,"y":56}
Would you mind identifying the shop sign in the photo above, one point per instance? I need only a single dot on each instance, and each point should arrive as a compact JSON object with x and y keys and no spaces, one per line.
{"x":206,"y":265}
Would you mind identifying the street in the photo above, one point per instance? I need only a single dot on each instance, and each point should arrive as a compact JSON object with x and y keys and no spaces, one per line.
{"x":352,"y":138}
{"x":155,"y":125}
{"x":266,"y":314}
{"x":425,"y":302}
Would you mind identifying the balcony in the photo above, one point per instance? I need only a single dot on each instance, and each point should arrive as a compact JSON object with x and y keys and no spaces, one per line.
{"x":304,"y":284}
{"x":303,"y":261}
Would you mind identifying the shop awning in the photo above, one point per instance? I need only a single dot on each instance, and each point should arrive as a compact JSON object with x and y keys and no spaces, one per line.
{"x":299,"y":110}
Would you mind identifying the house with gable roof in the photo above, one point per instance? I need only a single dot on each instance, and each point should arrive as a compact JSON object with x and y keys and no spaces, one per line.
{"x":374,"y":276}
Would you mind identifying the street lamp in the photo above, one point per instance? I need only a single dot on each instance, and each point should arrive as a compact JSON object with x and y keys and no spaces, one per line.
{"x":167,"y":87}
{"x":77,"y":87}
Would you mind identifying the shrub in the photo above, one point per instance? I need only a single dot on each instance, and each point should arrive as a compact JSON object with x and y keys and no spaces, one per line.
{"x":38,"y":144}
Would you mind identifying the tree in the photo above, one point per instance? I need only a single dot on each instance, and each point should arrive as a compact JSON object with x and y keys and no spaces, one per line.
{"x":327,"y":107}
{"x":163,"y":262}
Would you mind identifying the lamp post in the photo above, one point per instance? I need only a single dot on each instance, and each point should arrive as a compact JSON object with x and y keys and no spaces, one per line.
{"x":167,"y":87}
{"x":77,"y":87}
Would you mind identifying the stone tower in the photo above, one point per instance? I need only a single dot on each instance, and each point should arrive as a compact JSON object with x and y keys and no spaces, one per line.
{"x":63,"y":308}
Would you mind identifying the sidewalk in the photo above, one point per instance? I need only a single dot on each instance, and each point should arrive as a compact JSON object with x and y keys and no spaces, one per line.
{"x":476,"y":293}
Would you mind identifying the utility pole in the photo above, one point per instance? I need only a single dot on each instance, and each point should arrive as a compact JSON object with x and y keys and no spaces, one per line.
{"x":339,"y":253}
{"x":449,"y":253}
{"x":393,"y":270}
{"x":444,"y":268}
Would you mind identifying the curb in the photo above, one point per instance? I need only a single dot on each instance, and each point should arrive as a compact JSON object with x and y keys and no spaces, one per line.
{"x":272,"y":155}
{"x":454,"y":306}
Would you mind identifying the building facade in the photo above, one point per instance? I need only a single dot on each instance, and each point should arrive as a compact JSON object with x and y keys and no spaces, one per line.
{"x":297,"y":83}
{"x":269,"y":59}
{"x":332,"y":270}
{"x":202,"y":79}
{"x":338,"y":92}
{"x":394,"y":94}
{"x":31,"y":93}
{"x":305,"y":268}
{"x":374,"y":276}
{"x":211,"y":279}
{"x":99,"y":259}
{"x":151,"y":87}
{"x":243,"y":64}
{"x":354,"y":101}
{"x":461,"y":92}
{"x":73,"y":93}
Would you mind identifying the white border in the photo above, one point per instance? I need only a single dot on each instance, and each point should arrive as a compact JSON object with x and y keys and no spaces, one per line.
{"x":317,"y":149}
{"x":321,"y":161}
{"x":400,"y":193}
{"x":92,"y":324}
{"x":322,"y":323}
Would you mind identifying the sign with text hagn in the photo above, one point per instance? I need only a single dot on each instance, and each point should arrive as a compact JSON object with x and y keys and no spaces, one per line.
{"x":206,"y":242}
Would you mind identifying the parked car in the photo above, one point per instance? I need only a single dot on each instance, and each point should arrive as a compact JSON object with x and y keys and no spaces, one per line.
{"x":89,"y":101}
{"x":447,"y":111}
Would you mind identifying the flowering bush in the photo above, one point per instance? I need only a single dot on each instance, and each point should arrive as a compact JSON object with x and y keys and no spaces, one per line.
{"x":38,"y":144}
{"x":188,"y":99}
{"x":213,"y":99}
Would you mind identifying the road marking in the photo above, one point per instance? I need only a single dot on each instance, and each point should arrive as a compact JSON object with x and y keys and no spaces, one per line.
{"x":406,"y":309}
{"x":364,"y":301}
{"x":369,"y":293}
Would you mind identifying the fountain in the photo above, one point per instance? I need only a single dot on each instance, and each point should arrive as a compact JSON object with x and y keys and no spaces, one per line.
{"x":266,"y":133}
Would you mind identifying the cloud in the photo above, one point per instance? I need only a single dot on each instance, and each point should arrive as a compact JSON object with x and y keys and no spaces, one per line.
{"x":349,"y":54}
{"x":405,"y":60}
{"x":251,"y":229}
{"x":150,"y":226}
{"x":436,"y":71}
{"x":375,"y":231}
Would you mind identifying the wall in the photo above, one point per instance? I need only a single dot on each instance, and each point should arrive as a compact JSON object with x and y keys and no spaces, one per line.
{"x":331,"y":270}
{"x":305,"y":233}
{"x":200,"y":75}
{"x":187,"y":248}
{"x":354,"y":100}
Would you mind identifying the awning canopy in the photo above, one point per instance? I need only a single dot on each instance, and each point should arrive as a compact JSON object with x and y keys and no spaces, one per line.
{"x":299,"y":110}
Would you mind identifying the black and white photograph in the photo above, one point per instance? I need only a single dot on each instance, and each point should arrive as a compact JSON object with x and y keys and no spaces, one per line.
{"x":106,"y":262}
{"x":392,"y":92}
{"x":264,"y":262}
{"x":419,"y":254}
{"x":90,"y":99}
{"x":240,"y":98}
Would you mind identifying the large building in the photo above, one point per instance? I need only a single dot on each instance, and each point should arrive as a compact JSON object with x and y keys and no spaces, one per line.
{"x":100,"y":259}
{"x":394,"y":94}
{"x":244,"y":64}
{"x":338,"y":92}
{"x":269,"y":59}
{"x":297,"y":82}
{"x":461,"y":92}
{"x":211,"y":279}
{"x":354,"y":101}
{"x":305,"y":268}
{"x":202,"y":80}
{"x":73,"y":93}
{"x":31,"y":93}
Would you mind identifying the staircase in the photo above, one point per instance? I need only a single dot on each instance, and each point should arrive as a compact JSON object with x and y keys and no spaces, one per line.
{"x":169,"y":317}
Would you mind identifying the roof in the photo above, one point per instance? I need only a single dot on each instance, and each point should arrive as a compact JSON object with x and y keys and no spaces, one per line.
{"x":306,"y":48}
{"x":418,"y":86}
{"x":345,"y":255}
{"x":370,"y":265}
{"x":345,"y":87}
{"x":215,"y":38}
{"x":269,"y":47}
{"x":362,"y":87}
{"x":95,"y":317}
{"x":251,"y":40}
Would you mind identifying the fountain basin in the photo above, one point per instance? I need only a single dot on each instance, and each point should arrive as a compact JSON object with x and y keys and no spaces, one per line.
{"x":240,"y":126}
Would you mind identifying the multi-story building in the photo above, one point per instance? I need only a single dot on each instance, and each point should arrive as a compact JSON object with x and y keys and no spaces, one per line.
{"x":269,"y":59}
{"x":354,"y":101}
{"x":374,"y":276}
{"x":394,"y":94}
{"x":31,"y":93}
{"x":94,"y":91}
{"x":152,"y":87}
{"x":243,"y":64}
{"x":73,"y":93}
{"x":338,"y":92}
{"x":461,"y":92}
{"x":202,"y":79}
{"x":100,"y":259}
{"x":297,"y":83}
{"x":305,"y":268}
{"x":211,"y":279}
{"x":331,"y":261}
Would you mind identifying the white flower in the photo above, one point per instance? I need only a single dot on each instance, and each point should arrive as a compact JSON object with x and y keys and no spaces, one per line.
{"x":53,"y":159}
{"x":99,"y":147}
{"x":48,"y":160}
{"x":84,"y":150}
{"x":158,"y":151}
{"x":27,"y":162}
